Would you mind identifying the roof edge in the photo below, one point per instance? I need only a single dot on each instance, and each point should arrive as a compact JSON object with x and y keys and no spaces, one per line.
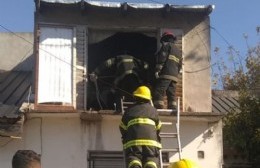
{"x":106,"y":4}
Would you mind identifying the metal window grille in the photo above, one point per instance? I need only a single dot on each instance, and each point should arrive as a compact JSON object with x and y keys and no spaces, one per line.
{"x":105,"y":159}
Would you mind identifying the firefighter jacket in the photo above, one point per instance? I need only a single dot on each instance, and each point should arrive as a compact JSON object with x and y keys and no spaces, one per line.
{"x":121,"y":66}
{"x":168,"y":63}
{"x":140,"y":125}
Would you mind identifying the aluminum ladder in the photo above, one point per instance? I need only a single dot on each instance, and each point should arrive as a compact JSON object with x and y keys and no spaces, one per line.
{"x":171,"y":134}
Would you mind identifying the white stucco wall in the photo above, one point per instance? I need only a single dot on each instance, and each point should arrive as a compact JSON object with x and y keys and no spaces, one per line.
{"x":63,"y":140}
{"x":196,"y":69}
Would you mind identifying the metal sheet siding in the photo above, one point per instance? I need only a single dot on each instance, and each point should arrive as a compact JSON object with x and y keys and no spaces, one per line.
{"x":14,"y":87}
{"x":222,"y":104}
{"x":107,"y":3}
{"x":55,"y":65}
{"x":152,"y":5}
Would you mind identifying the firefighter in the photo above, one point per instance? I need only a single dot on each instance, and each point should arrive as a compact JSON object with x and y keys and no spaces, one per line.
{"x":168,"y":64}
{"x":128,"y":73}
{"x":121,"y":66}
{"x":26,"y":159}
{"x":140,"y":128}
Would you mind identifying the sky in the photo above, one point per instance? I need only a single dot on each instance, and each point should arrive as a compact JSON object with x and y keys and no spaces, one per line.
{"x":231,"y":21}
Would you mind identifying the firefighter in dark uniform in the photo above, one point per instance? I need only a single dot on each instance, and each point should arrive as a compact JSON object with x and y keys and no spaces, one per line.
{"x":168,"y":64}
{"x":127,"y":72}
{"x":121,"y":66}
{"x":140,"y":128}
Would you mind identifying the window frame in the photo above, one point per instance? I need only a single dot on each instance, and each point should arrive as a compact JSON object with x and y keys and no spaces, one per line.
{"x":93,"y":156}
{"x":53,"y":107}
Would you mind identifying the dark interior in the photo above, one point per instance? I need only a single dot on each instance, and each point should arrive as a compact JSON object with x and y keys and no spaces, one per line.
{"x":102,"y":95}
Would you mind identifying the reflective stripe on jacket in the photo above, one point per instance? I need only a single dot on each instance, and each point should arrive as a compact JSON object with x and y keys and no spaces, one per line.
{"x":121,"y":66}
{"x":140,"y":125}
{"x":168,"y":63}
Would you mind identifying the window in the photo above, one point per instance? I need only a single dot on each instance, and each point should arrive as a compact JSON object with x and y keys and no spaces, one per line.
{"x":55,"y":66}
{"x":107,"y":159}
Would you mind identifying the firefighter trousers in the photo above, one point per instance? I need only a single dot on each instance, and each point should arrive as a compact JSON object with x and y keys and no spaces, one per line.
{"x":142,"y":157}
{"x":163,"y":86}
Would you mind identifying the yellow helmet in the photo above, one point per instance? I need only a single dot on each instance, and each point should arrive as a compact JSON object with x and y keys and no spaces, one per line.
{"x":184,"y":163}
{"x":143,"y":92}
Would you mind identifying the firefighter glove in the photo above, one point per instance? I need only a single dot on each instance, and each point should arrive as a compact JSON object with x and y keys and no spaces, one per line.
{"x":93,"y":77}
{"x":156,"y":75}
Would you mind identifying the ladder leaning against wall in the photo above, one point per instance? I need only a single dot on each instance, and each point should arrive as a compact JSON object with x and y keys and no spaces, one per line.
{"x":171,"y":135}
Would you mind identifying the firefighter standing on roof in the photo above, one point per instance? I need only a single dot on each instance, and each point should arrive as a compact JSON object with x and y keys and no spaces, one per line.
{"x":140,"y":128}
{"x":168,"y":64}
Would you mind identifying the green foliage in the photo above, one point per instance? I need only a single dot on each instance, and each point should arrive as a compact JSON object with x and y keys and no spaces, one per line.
{"x":242,"y":125}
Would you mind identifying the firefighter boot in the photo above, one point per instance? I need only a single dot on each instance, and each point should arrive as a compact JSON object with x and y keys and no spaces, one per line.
{"x":159,"y":104}
{"x":173,"y":106}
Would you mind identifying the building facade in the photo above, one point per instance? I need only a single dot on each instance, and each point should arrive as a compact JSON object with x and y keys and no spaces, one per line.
{"x":64,"y":120}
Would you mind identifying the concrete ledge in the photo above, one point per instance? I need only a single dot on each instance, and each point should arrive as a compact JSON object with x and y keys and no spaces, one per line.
{"x":99,"y":115}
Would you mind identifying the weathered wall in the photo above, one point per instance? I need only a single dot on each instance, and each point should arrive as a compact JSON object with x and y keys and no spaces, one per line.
{"x":196,"y":41}
{"x":64,"y":139}
{"x":196,"y":69}
{"x":16,"y":51}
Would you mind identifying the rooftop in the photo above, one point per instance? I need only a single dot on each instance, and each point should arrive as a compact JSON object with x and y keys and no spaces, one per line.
{"x":125,"y":5}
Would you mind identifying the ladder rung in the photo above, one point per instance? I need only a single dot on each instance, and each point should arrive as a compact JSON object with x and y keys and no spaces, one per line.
{"x":167,"y":110}
{"x":168,"y":135}
{"x":170,"y":150}
{"x":128,"y":102}
{"x":166,"y":123}
{"x":166,"y":164}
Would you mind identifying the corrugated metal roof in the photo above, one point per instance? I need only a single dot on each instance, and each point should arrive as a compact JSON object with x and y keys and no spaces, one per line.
{"x":192,"y":8}
{"x":224,"y":101}
{"x":14,"y":89}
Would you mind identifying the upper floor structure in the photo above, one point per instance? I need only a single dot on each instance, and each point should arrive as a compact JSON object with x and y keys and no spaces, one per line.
{"x":73,"y":38}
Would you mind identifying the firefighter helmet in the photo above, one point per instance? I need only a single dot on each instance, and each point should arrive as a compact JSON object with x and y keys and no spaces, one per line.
{"x":168,"y":36}
{"x":184,"y":163}
{"x":143,"y":92}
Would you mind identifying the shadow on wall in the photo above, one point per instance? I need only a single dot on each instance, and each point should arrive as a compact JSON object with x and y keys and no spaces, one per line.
{"x":21,"y":64}
{"x":197,"y":35}
{"x":25,"y":65}
{"x":16,"y":51}
{"x":201,"y":130}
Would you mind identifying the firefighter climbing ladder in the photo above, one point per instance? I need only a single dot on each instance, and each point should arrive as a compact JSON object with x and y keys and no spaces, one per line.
{"x":171,"y":134}
{"x":164,"y":134}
